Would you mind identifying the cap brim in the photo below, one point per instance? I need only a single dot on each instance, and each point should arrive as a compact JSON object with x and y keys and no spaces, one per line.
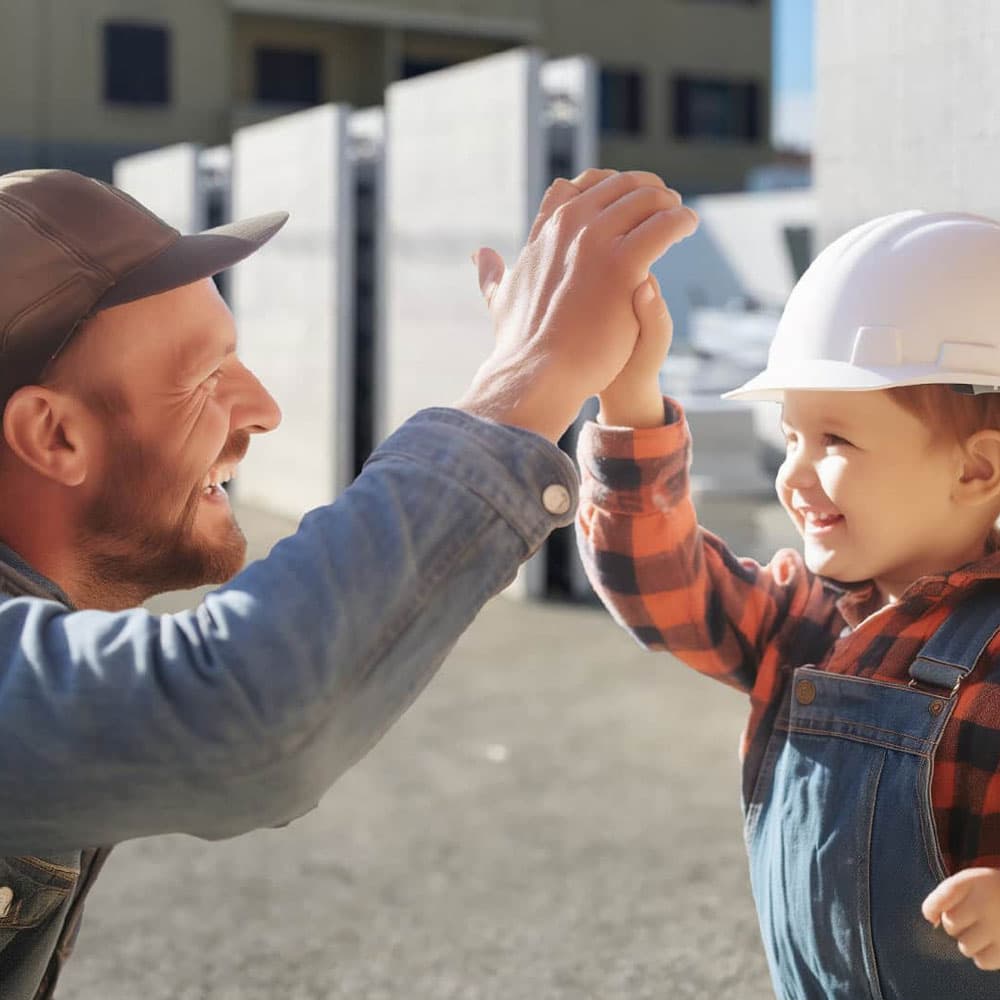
{"x":193,"y":257}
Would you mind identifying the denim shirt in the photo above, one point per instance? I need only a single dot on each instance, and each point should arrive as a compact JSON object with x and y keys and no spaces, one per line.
{"x":240,"y":713}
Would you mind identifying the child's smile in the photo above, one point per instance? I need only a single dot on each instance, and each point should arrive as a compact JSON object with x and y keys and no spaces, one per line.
{"x":872,"y":490}
{"x":818,"y":522}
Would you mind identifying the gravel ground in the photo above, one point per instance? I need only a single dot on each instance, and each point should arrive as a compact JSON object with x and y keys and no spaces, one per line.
{"x":556,"y":817}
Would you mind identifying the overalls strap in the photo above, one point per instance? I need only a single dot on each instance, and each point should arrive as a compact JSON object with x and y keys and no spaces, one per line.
{"x":952,"y":652}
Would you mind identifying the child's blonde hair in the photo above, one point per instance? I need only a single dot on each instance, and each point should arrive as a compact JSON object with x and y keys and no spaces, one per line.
{"x":948,"y":412}
{"x":954,"y":415}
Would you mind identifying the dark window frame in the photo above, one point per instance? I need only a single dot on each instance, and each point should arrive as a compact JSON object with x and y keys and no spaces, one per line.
{"x":268,"y":71}
{"x":630,"y":99}
{"x":137,"y":63}
{"x":745,"y":115}
{"x":412,"y":67}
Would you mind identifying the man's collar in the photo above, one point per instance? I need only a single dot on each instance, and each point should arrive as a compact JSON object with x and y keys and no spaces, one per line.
{"x":19,"y":579}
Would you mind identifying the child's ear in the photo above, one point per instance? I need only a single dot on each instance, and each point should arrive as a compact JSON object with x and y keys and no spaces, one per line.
{"x":979,"y":481}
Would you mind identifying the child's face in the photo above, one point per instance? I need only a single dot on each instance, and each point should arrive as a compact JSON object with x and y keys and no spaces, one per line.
{"x":870,"y":490}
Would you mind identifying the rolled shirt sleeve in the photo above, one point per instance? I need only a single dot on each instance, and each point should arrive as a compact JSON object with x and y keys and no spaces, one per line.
{"x":241,"y":712}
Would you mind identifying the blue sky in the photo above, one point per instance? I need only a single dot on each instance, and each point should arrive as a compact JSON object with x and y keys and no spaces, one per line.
{"x":794,"y":81}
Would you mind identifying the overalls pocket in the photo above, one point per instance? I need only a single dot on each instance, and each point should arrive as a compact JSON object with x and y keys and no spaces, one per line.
{"x":32,"y":890}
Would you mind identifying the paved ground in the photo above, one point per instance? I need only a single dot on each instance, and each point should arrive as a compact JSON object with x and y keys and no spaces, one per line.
{"x":556,"y":817}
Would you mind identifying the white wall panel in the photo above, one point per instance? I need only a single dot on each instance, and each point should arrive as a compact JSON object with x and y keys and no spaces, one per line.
{"x":905,"y":117}
{"x":464,"y":169}
{"x":166,"y":182}
{"x":293,"y":305}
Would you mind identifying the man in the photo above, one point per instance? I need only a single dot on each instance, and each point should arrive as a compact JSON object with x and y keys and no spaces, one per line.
{"x":125,"y":407}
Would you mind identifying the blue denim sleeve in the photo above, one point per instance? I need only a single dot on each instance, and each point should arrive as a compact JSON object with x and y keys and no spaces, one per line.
{"x":240,"y":713}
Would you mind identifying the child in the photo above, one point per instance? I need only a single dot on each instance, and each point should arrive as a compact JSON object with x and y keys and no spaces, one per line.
{"x":871,"y":791}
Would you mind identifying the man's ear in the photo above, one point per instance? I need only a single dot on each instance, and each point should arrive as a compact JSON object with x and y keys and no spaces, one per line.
{"x":45,"y":430}
{"x":979,"y":480}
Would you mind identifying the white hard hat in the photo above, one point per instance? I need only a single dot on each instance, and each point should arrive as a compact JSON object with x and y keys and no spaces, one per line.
{"x":906,"y":299}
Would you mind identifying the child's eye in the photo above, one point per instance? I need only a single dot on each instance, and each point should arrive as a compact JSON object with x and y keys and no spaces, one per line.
{"x":833,"y":440}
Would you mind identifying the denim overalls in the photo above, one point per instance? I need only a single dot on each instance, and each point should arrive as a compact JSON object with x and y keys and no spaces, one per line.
{"x":840,"y":830}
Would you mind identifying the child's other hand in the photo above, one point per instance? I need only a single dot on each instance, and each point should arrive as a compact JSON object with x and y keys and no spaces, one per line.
{"x":967,"y":906}
{"x":633,"y":399}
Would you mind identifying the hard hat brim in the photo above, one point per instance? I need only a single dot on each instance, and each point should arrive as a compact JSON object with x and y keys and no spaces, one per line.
{"x":839,"y":376}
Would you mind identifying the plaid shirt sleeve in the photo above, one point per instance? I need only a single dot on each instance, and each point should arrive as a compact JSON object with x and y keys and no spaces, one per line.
{"x":672,"y":584}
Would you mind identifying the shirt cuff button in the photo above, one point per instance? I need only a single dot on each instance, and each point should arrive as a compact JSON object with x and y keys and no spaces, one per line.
{"x":556,"y":499}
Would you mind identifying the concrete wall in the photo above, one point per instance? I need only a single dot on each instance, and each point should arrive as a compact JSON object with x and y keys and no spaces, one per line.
{"x":166,"y":182}
{"x":906,"y":109}
{"x":292,"y":304}
{"x":442,"y":205}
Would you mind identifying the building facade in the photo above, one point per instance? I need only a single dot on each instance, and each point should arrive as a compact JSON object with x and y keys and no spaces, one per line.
{"x":685,"y":84}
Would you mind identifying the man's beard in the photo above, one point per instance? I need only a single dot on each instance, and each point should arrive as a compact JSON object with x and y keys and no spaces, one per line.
{"x":139,"y":534}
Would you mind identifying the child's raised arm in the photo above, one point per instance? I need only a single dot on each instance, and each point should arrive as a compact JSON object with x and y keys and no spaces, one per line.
{"x":672,"y":584}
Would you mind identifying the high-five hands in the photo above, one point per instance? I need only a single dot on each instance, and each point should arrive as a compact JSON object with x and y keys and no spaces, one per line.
{"x":967,"y":906}
{"x":567,"y":315}
{"x":634,"y":398}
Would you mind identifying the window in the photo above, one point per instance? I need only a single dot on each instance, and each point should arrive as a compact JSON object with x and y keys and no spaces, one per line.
{"x":288,"y":76}
{"x":136,"y":64}
{"x":622,"y":101}
{"x":417,"y":67}
{"x":716,"y":109}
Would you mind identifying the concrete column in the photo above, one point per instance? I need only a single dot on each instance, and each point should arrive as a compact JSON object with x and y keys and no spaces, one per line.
{"x":294,"y":307}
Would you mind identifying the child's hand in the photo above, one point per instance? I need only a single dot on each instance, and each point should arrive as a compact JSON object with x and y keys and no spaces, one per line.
{"x":967,"y":905}
{"x":633,"y":399}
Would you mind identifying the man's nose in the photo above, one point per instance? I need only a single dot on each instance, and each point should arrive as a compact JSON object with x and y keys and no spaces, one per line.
{"x":255,"y":409}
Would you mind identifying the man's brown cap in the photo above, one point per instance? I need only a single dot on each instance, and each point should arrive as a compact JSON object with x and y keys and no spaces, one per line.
{"x":71,"y":246}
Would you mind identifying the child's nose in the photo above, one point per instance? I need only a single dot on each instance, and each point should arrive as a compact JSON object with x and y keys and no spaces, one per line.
{"x":797,"y":471}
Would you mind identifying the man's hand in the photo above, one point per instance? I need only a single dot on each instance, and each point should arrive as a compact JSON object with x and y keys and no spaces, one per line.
{"x":967,"y":906}
{"x":564,"y":316}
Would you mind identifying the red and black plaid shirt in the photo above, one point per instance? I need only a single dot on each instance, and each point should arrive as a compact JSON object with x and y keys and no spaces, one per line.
{"x":677,"y":587}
